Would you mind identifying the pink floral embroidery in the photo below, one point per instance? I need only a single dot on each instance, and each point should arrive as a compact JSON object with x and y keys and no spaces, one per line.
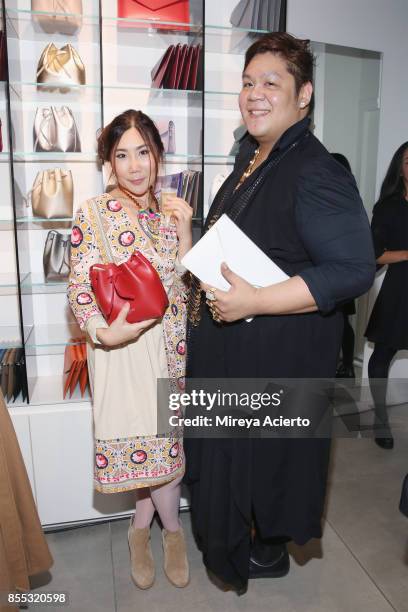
{"x":84,"y":298}
{"x":126,"y":238}
{"x":101,"y":461}
{"x":76,"y":236}
{"x":114,"y":205}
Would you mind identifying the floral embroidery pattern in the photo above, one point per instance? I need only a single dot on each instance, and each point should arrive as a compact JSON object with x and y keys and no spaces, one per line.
{"x":125,"y":464}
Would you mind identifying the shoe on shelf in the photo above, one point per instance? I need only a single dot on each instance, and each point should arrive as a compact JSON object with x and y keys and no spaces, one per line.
{"x":141,"y":558}
{"x":276,"y":566}
{"x":344,"y":371}
{"x":386,"y":443}
{"x":176,"y":565}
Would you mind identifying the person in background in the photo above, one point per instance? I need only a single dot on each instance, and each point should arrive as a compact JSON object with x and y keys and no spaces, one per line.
{"x":388,"y":324}
{"x":23,"y":548}
{"x":302,"y":208}
{"x":345,"y":368}
{"x":125,"y":360}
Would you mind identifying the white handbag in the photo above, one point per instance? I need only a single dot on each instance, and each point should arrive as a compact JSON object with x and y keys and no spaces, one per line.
{"x":55,"y":130}
{"x":64,"y":16}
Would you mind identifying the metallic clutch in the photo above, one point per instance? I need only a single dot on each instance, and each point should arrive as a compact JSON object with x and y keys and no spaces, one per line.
{"x":56,"y":256}
{"x":60,"y":66}
{"x":63,"y":16}
{"x":52,"y":194}
{"x":55,"y":130}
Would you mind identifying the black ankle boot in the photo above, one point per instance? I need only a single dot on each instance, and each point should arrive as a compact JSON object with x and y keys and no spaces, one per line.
{"x":268,"y":558}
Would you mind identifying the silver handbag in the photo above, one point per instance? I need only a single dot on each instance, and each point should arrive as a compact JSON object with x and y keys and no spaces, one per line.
{"x":57,"y":256}
{"x":55,"y":130}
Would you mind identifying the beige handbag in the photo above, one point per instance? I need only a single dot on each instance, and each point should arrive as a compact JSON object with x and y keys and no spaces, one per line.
{"x":60,"y":66}
{"x":64,"y":16}
{"x":55,"y":130}
{"x":57,"y":256}
{"x":52,"y":194}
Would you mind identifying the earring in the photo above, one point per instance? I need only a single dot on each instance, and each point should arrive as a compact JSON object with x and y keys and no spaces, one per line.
{"x":302,"y":104}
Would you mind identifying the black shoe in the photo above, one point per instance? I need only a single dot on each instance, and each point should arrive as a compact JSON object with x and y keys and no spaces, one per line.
{"x":275,"y":568}
{"x":386,"y":443}
{"x":344,"y":371}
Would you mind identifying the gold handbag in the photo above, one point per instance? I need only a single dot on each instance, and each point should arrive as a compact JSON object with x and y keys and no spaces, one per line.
{"x":57,"y":256}
{"x":63,"y":16}
{"x":55,"y":130}
{"x":60,"y":66}
{"x":52,"y":194}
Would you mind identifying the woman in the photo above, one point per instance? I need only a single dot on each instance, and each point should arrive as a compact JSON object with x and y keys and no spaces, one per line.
{"x":23,"y":548}
{"x":303,"y":210}
{"x":388,"y":324}
{"x":125,"y":360}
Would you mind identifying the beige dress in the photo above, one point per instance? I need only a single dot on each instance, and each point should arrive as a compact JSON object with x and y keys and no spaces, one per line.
{"x":129,"y":453}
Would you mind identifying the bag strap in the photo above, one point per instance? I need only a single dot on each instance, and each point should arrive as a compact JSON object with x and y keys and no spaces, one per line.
{"x":97,"y":226}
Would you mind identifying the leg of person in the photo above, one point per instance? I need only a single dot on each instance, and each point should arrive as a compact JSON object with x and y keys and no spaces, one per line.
{"x":347,"y":346}
{"x":378,"y":367}
{"x":346,"y":368}
{"x":141,"y":558}
{"x":166,"y":499}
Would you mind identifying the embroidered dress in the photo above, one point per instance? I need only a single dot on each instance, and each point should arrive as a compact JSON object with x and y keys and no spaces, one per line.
{"x":128,"y":452}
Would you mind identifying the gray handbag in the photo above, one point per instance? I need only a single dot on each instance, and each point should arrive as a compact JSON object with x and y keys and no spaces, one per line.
{"x":57,"y":256}
{"x":267,"y":15}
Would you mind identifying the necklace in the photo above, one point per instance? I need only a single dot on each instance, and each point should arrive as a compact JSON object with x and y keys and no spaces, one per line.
{"x":134,"y":199}
{"x":249,"y":170}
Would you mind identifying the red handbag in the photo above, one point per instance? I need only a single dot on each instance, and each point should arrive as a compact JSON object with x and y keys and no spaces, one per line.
{"x":134,"y":281}
{"x":156,"y":10}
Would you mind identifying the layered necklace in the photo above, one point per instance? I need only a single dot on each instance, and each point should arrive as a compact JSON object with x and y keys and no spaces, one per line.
{"x":149,"y":219}
{"x":134,"y":199}
{"x":249,"y":170}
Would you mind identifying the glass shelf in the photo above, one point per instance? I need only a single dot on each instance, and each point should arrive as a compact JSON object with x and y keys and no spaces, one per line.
{"x":154,"y":24}
{"x":10,"y":336}
{"x":53,"y":86}
{"x":8,"y":284}
{"x":154,"y":90}
{"x":44,"y":220}
{"x":51,"y":335}
{"x":229,"y":39}
{"x":45,"y":390}
{"x":35,"y":283}
{"x":6,"y":224}
{"x":42,"y":156}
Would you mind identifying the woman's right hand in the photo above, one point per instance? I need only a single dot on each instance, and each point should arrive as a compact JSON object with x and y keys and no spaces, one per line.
{"x":120,"y":331}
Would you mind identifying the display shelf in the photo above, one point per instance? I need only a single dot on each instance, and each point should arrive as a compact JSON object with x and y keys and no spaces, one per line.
{"x":229,"y":39}
{"x":157,"y":91}
{"x":8,"y":284}
{"x":6,"y":225}
{"x":35,"y":283}
{"x":43,"y":156}
{"x":44,"y":220}
{"x":53,"y":86}
{"x":46,"y":390}
{"x":10,"y":336}
{"x":147,"y":25}
{"x":51,"y":335}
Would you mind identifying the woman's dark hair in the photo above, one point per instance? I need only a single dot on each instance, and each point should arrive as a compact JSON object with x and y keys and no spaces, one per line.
{"x":393,"y":183}
{"x":342,"y":159}
{"x":110,"y":135}
{"x":295,"y":51}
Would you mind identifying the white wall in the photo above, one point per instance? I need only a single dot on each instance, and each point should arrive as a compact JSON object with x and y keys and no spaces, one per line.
{"x":377,"y":25}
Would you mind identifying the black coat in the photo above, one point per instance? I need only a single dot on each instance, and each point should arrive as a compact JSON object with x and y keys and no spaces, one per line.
{"x":388,"y":323}
{"x":308,"y":217}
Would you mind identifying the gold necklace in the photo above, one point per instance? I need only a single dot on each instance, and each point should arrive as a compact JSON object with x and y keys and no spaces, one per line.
{"x":249,"y":170}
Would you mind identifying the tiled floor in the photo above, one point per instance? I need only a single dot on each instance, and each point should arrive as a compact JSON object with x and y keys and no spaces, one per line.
{"x":361,"y":564}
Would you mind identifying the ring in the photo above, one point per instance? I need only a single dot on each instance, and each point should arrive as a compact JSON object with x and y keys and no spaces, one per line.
{"x":210,"y":295}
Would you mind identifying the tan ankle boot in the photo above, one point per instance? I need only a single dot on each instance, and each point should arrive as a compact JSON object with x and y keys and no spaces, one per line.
{"x":175,"y":557}
{"x":141,"y":558}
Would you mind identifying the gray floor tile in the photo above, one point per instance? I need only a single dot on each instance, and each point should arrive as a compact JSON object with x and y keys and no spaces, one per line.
{"x":82,"y":567}
{"x":363,"y":509}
